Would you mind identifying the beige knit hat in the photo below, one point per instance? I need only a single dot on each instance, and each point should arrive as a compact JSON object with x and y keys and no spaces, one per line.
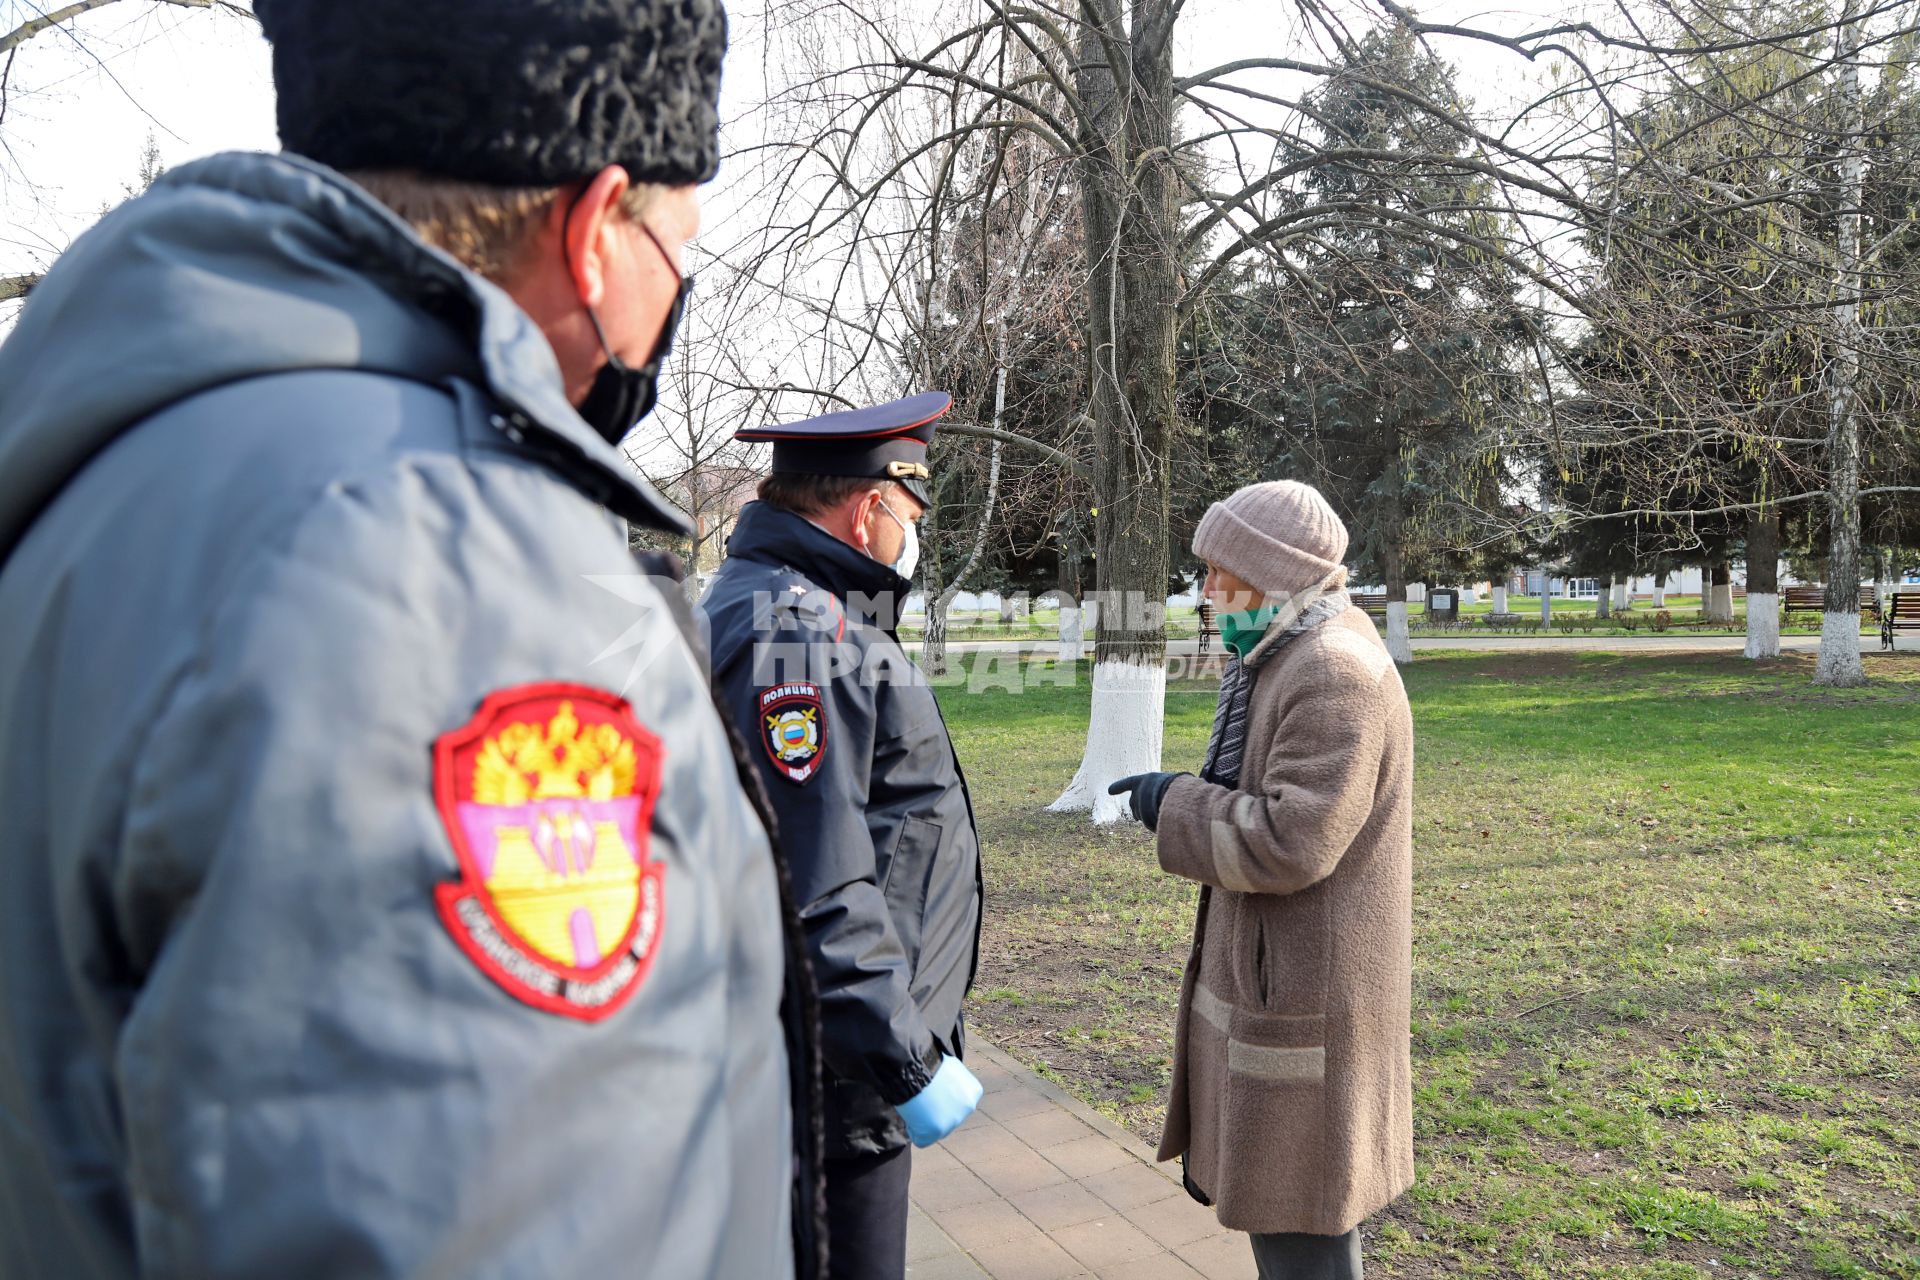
{"x":1281,"y":537}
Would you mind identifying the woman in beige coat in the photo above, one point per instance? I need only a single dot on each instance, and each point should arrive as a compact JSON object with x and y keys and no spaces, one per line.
{"x":1292,"y":1100}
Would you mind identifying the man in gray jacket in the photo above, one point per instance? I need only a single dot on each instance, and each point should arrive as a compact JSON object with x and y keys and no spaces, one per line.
{"x":355,"y":918}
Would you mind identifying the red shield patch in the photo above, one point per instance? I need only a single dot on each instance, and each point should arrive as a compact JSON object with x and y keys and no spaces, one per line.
{"x":547,"y":794}
{"x":793,"y":728}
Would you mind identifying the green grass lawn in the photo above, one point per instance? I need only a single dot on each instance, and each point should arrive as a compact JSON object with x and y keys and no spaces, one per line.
{"x":1667,"y":958}
{"x":1569,"y":617}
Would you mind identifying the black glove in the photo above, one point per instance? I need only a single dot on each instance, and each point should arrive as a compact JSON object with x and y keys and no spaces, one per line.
{"x":1147,"y":789}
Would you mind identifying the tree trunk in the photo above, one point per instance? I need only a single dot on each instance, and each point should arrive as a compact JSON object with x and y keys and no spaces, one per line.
{"x":1603,"y":601}
{"x":1067,"y":591}
{"x":933,"y":644}
{"x":1129,"y":195}
{"x":933,"y":654}
{"x":1398,"y":644}
{"x":1660,"y":591}
{"x":1716,"y":592}
{"x":1839,"y":662}
{"x":1072,"y":637}
{"x":1500,"y":597}
{"x":1546,"y":602}
{"x":933,"y":647}
{"x":1763,"y":584}
{"x":1622,"y":594}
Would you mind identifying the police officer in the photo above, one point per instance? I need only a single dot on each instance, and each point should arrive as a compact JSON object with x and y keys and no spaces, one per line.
{"x":870,"y":803}
{"x":355,"y":920}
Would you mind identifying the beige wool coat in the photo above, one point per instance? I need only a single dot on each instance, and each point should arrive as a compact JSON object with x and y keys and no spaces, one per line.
{"x":1292,"y":1096}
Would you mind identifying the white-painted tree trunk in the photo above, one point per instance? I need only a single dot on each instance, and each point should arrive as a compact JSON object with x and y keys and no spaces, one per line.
{"x":1660,"y":592}
{"x":1073,"y":646}
{"x":1840,"y":649}
{"x":1500,"y":599}
{"x":1839,"y":663}
{"x":1123,"y":737}
{"x":1397,"y":642}
{"x":1621,"y":598}
{"x":1721,"y":609}
{"x":1546,"y":602}
{"x":1763,"y":625}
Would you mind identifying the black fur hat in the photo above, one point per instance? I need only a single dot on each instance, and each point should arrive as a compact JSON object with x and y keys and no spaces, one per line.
{"x":522,"y":93}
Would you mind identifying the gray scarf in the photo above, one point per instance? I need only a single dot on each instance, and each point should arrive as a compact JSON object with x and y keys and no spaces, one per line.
{"x":1228,"y":746}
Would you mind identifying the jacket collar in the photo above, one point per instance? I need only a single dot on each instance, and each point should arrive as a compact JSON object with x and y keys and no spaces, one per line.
{"x":868,"y":589}
{"x":1280,"y":635}
{"x":512,"y":357}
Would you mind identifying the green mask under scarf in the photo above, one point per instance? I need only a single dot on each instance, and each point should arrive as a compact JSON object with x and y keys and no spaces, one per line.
{"x":1241,"y":631}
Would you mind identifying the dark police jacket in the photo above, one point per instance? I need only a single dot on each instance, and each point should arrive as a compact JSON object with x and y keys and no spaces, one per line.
{"x":313,"y":703}
{"x":871,"y":807}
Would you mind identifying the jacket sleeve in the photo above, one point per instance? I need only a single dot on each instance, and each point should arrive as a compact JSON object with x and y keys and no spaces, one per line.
{"x":316,"y":1078}
{"x":872,"y":1029}
{"x":1313,"y":798}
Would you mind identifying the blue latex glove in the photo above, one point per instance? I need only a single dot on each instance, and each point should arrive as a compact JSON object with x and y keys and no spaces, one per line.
{"x":943,"y":1105}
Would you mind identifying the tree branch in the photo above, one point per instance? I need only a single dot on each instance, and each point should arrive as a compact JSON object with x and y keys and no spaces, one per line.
{"x":1065,"y":459}
{"x":58,"y":17}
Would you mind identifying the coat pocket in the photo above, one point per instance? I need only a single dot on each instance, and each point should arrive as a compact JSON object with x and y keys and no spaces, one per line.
{"x":1283,"y":952}
{"x":909,"y":871}
{"x":1273,"y":1149}
{"x":1277,"y":1049}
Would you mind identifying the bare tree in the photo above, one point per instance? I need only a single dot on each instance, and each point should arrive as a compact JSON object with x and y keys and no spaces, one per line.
{"x":50,"y":30}
{"x":874,"y":143}
{"x":1839,"y":661}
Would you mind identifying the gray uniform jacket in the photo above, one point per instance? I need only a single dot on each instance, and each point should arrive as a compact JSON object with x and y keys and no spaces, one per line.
{"x":377,"y":895}
{"x":871,"y":805}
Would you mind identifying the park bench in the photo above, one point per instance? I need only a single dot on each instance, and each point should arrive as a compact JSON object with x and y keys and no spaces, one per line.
{"x":1814,"y":600}
{"x":1375,"y":604}
{"x":1804,"y":600}
{"x":1901,"y":614}
{"x":1205,"y":612}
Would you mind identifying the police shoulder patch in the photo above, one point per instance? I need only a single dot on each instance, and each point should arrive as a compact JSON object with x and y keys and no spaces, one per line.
{"x":547,"y":795}
{"x":793,"y":725}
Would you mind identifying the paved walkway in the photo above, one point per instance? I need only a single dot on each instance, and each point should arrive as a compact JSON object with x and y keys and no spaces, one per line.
{"x":1038,"y":1186}
{"x":1673,"y":642}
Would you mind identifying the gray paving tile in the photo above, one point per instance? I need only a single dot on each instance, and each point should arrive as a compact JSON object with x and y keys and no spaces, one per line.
{"x":926,"y":1241}
{"x":1226,"y":1256}
{"x":1048,"y":1128}
{"x":948,"y":1188}
{"x":957,"y":1266}
{"x":985,"y":1224}
{"x":1036,"y":1186}
{"x":1084,"y":1157}
{"x":1177,"y":1220}
{"x":1030,"y":1260}
{"x":986,"y":1142}
{"x":1067,"y":1204}
{"x":1015,"y":1100}
{"x":1162,"y":1266}
{"x":1107,"y":1242}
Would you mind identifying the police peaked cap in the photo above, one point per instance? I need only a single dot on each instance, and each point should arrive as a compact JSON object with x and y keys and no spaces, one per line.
{"x":509,"y":93}
{"x":885,"y":442}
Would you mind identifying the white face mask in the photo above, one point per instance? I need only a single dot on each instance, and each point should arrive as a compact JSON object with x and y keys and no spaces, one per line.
{"x":909,"y":547}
